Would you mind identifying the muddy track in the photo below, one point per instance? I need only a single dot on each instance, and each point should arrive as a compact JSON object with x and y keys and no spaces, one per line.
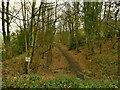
{"x":73,"y":64}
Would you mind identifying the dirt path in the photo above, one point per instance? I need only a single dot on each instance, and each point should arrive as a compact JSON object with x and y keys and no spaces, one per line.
{"x":74,"y":65}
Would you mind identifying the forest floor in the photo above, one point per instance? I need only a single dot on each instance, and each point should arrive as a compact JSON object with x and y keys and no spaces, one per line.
{"x":98,"y":66}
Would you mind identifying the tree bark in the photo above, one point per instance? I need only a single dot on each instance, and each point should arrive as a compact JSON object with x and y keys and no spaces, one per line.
{"x":76,"y":6}
{"x":8,"y":31}
{"x":3,"y":22}
{"x":3,"y":26}
{"x":24,"y":24}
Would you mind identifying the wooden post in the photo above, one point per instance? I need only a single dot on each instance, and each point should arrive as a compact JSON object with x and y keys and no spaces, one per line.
{"x":27,"y":59}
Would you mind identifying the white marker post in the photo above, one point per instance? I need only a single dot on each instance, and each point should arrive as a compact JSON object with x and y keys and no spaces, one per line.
{"x":28,"y":59}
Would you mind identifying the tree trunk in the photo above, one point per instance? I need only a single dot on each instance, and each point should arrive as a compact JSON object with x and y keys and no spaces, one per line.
{"x":3,"y":24}
{"x":32,"y":43}
{"x":8,"y":31}
{"x":76,"y":6}
{"x":35,"y":33}
{"x":24,"y":24}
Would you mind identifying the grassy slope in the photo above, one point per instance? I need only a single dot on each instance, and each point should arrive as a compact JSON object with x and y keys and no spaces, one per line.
{"x":99,"y":66}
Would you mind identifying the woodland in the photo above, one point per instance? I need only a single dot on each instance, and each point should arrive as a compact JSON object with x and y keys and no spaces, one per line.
{"x":60,"y":44}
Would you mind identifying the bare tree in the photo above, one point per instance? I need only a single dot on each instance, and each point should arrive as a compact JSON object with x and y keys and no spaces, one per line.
{"x":24,"y":23}
{"x":3,"y":23}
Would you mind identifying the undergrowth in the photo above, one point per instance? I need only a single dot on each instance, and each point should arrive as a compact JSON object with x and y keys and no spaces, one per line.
{"x":35,"y":81}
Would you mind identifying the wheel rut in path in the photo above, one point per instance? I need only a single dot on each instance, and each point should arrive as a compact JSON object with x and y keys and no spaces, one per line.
{"x":73,"y":64}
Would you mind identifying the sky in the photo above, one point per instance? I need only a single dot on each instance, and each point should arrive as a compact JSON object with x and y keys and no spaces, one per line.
{"x":17,"y":2}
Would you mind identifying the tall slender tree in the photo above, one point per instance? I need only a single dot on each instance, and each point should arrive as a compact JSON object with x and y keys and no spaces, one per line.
{"x":24,"y":24}
{"x":3,"y":22}
{"x":76,"y":7}
{"x":8,"y":31}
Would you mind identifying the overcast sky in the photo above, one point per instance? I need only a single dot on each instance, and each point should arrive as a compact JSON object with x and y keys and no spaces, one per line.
{"x":16,"y":3}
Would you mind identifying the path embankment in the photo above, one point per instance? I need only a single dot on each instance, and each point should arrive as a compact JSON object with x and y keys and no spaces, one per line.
{"x":74,"y":65}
